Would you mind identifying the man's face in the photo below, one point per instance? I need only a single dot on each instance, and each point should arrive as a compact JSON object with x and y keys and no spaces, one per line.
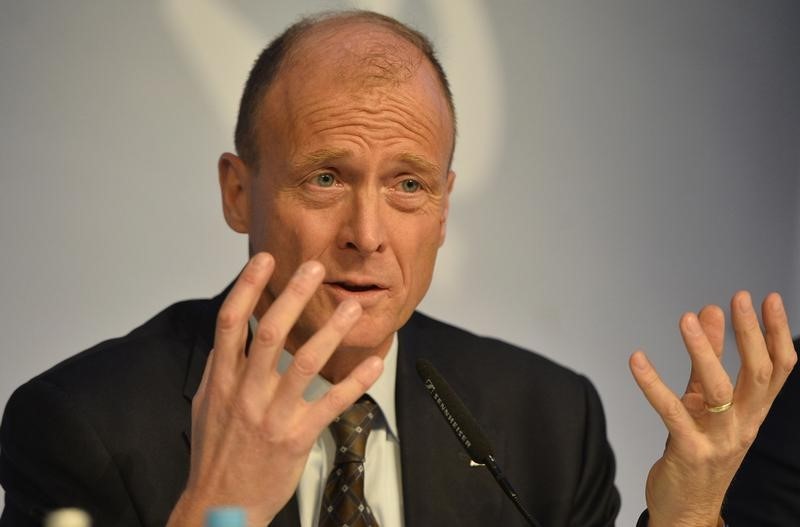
{"x":355,"y":176}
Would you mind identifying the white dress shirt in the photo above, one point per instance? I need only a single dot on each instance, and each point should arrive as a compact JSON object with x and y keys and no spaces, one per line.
{"x":382,"y":475}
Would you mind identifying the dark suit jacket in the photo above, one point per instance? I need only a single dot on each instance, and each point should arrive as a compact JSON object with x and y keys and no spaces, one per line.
{"x":766,"y":489}
{"x":108,"y":430}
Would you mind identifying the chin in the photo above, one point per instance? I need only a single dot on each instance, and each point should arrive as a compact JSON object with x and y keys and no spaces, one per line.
{"x":367,"y":336}
{"x":371,"y":332}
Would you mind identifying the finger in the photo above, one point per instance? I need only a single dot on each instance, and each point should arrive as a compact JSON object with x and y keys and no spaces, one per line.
{"x":712,"y":320}
{"x":752,"y":387}
{"x":313,"y":355}
{"x":276,"y":324}
{"x":230,"y":334}
{"x":342,"y":395}
{"x":779,"y":342}
{"x":694,"y":404}
{"x":661,"y":398}
{"x":716,"y":385}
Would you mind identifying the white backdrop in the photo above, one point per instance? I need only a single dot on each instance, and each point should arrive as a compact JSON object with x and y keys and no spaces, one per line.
{"x":619,"y":162}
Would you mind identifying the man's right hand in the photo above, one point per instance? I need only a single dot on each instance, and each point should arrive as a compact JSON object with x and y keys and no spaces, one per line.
{"x":252,"y":430}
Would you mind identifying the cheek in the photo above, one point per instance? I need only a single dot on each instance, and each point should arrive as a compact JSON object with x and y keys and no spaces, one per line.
{"x":294,"y":235}
{"x":416,"y":248}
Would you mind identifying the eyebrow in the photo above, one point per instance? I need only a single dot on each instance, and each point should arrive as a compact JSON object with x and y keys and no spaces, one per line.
{"x":321,"y":157}
{"x":419,"y":163}
{"x":327,"y":155}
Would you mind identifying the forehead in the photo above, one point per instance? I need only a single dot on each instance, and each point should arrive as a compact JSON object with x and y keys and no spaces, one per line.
{"x":356,"y":65}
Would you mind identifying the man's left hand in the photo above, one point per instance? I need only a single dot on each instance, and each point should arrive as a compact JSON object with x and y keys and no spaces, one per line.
{"x":714,"y":423}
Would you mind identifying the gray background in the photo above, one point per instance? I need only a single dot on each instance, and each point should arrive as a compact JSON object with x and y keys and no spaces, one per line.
{"x":620,"y":162}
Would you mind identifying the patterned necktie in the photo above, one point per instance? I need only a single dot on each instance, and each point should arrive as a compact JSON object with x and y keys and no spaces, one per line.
{"x":343,"y":502}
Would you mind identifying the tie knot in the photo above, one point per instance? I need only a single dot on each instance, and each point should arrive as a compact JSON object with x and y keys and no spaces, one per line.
{"x":350,"y":431}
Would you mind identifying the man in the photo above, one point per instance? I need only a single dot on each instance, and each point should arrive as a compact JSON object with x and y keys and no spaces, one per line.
{"x":342,"y":180}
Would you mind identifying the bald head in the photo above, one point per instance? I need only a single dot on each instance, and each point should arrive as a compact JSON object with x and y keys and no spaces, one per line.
{"x":358,"y":51}
{"x":360,"y":55}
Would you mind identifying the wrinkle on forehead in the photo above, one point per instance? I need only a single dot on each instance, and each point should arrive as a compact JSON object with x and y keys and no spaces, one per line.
{"x":380,"y":112}
{"x":324,"y":156}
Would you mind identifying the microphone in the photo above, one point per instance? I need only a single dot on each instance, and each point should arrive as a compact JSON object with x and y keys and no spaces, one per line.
{"x":467,"y":430}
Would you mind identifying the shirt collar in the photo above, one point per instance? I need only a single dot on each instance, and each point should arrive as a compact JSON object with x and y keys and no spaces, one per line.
{"x":382,"y":392}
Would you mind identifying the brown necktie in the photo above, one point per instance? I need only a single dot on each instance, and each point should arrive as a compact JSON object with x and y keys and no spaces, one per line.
{"x":343,"y":502}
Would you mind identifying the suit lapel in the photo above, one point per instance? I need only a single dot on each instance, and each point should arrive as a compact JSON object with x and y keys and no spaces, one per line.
{"x":289,"y":516}
{"x":203,"y":342}
{"x":439,"y":485}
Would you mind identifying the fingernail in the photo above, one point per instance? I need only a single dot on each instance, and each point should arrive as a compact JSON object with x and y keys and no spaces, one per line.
{"x":350,"y":309}
{"x":375,"y":363}
{"x":311,"y":269}
{"x":745,"y":303}
{"x":639,"y":360}
{"x":693,"y":325}
{"x":777,"y":304}
{"x":260,"y":260}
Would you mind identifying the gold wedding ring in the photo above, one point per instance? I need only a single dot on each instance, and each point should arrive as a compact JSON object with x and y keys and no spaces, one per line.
{"x":719,"y":409}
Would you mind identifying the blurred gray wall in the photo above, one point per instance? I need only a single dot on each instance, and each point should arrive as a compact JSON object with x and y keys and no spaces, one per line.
{"x":619,"y":162}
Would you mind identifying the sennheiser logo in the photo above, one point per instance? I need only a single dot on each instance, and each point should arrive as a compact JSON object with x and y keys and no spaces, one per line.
{"x":446,"y":412}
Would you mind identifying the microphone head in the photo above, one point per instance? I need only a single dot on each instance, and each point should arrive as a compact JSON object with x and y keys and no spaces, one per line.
{"x":460,"y":420}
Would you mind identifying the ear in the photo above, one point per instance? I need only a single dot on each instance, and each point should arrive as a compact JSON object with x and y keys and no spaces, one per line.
{"x":234,"y":186}
{"x":451,"y":178}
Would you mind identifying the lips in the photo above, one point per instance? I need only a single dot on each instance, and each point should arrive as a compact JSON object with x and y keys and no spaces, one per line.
{"x":366,"y":291}
{"x":354,"y":287}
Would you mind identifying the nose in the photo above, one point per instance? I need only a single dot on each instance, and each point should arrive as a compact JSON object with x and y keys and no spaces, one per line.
{"x":363,"y":227}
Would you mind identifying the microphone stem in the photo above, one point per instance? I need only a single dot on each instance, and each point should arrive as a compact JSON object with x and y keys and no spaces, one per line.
{"x":491,"y":464}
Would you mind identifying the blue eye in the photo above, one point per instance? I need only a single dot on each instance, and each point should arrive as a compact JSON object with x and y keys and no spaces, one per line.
{"x":325,"y":179}
{"x":410,"y":185}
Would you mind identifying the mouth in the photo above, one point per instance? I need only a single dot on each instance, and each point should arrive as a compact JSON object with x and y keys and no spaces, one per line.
{"x":352,"y":287}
